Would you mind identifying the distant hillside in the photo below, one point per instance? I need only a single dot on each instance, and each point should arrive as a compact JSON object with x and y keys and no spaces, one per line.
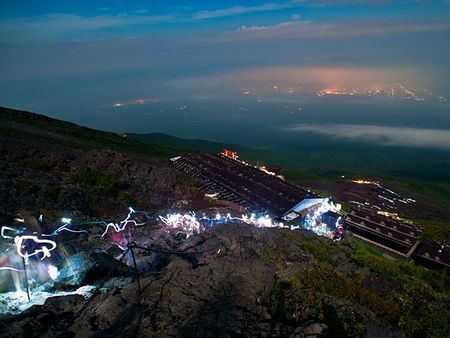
{"x":18,"y":124}
{"x":253,"y":156}
{"x":185,"y":144}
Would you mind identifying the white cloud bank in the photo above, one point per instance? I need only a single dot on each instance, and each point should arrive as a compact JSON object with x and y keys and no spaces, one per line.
{"x":388,"y":136}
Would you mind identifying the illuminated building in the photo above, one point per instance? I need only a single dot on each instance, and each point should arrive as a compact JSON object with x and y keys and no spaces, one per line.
{"x":433,"y":255}
{"x":230,"y":153}
{"x":260,"y":192}
{"x":245,"y":185}
{"x":396,"y":236}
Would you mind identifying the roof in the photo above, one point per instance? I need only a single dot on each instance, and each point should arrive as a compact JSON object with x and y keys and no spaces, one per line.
{"x":301,"y":206}
{"x":307,"y":203}
{"x":434,"y":251}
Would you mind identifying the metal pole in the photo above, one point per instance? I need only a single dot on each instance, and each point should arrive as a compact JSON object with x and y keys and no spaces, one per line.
{"x":135,"y":268}
{"x":26,"y":279}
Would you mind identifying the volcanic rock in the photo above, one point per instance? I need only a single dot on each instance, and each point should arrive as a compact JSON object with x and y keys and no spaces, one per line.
{"x":85,"y":268}
{"x":374,"y":330}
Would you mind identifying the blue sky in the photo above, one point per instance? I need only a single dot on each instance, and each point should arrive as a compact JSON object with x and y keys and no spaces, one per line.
{"x":100,"y":62}
{"x":68,"y":20}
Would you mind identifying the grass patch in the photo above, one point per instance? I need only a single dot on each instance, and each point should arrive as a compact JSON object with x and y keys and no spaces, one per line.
{"x":265,"y":255}
{"x":128,"y":199}
{"x":318,"y":294}
{"x":409,"y":275}
{"x":303,"y":298}
{"x":323,"y":292}
{"x":97,"y":182}
{"x":318,"y":248}
{"x":438,"y":230}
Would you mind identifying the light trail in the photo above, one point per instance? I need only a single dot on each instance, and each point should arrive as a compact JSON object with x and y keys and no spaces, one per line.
{"x":118,"y":227}
{"x":65,"y":227}
{"x":46,"y":247}
{"x":7,"y":268}
{"x":191,"y":224}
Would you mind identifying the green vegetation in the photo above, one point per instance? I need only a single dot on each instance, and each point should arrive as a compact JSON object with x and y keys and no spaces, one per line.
{"x":435,"y":219}
{"x":180,"y":181}
{"x":183,"y":144}
{"x":400,"y":270}
{"x":319,"y":249}
{"x":435,"y":192}
{"x":401,"y":294}
{"x":302,"y":298}
{"x":36,"y":164}
{"x":195,"y":188}
{"x":98,"y":183}
{"x":128,"y":199}
{"x":27,"y":187}
{"x":303,"y":178}
{"x":51,"y":192}
{"x":435,"y":229}
{"x":265,"y":255}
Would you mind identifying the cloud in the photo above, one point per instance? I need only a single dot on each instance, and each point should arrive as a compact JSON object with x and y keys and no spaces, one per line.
{"x":239,"y":10}
{"x":325,"y":3}
{"x":56,"y":25}
{"x":286,"y":24}
{"x":59,"y":25}
{"x":387,"y":136}
{"x":347,"y":28}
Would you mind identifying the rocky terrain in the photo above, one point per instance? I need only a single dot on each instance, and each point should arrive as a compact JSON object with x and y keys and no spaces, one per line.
{"x":230,"y":292}
{"x":235,"y":280}
{"x":230,"y":280}
{"x":59,"y":169}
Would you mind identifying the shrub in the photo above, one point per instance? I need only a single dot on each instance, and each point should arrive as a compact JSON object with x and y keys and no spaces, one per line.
{"x":97,"y":182}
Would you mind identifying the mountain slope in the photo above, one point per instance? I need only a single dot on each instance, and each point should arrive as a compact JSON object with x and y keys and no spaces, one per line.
{"x":186,"y":144}
{"x":58,"y":168}
{"x":16,"y":124}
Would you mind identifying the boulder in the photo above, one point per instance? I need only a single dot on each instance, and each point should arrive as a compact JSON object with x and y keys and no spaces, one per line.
{"x":87,"y":268}
{"x":314,"y":329}
{"x":374,"y":330}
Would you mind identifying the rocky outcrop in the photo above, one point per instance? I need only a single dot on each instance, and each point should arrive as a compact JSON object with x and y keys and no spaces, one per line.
{"x":84,"y":268}
{"x":94,"y":183}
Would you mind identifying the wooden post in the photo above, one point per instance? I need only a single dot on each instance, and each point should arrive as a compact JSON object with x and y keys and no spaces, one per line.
{"x":135,"y":269}
{"x":26,"y":278}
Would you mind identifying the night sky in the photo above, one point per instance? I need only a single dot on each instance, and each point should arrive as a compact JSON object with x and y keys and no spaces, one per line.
{"x":238,"y":71}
